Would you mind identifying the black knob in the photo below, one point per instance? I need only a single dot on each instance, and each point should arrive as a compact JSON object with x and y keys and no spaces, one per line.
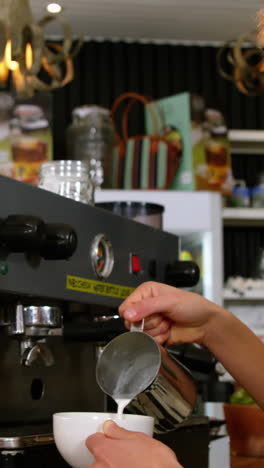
{"x":182,"y":274}
{"x":195,"y":357}
{"x":60,"y":242}
{"x":22,"y":233}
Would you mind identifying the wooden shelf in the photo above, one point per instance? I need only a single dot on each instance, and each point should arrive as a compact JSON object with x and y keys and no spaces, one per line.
{"x":243,"y":216}
{"x":252,"y":295}
{"x":247,"y":141}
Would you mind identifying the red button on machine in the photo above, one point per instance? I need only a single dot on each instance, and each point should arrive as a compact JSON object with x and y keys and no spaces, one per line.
{"x":135,"y":264}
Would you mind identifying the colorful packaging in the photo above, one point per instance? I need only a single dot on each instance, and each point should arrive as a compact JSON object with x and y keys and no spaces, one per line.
{"x":205,"y":162}
{"x":25,"y":136}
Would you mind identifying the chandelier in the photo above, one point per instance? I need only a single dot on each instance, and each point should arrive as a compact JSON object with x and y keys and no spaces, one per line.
{"x":33,"y":63}
{"x":241,"y":60}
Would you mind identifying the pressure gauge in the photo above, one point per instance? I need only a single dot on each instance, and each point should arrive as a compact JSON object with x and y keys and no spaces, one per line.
{"x":102,"y":256}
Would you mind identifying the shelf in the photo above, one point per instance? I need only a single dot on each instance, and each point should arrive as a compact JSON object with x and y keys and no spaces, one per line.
{"x":242,"y":216}
{"x":246,"y":141}
{"x":252,"y":295}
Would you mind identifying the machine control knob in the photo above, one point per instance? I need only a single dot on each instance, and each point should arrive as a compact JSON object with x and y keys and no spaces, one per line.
{"x":60,"y":242}
{"x":182,"y":274}
{"x":22,"y":233}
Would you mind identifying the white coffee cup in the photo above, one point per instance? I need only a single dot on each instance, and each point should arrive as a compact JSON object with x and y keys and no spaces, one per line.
{"x":72,"y":429}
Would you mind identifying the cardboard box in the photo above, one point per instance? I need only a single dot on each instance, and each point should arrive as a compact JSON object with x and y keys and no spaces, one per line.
{"x":201,"y":133}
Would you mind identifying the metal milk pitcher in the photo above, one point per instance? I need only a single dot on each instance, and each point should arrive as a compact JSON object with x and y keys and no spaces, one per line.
{"x":134,"y":367}
{"x":170,"y":398}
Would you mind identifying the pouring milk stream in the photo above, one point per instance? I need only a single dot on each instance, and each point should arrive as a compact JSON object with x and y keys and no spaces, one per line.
{"x":123,"y":402}
{"x":128,"y":365}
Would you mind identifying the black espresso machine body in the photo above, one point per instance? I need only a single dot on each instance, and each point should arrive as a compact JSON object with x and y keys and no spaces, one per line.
{"x":64,"y":269}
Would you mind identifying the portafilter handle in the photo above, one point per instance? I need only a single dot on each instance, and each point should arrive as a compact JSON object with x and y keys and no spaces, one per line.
{"x":102,"y":329}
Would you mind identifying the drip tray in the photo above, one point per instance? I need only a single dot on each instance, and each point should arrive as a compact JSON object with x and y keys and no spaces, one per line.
{"x":19,"y":437}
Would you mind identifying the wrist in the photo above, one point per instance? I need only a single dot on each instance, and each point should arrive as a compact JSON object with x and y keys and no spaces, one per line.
{"x":217,"y":326}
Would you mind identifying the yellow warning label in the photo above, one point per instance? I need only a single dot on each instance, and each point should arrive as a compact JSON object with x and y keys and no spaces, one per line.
{"x":97,"y":287}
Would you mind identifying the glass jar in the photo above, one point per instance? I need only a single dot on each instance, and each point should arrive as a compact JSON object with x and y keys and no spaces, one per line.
{"x":90,"y":138}
{"x":240,"y":196}
{"x":31,"y":141}
{"x":70,"y":179}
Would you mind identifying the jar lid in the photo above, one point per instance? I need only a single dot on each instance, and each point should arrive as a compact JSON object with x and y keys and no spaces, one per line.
{"x":220,"y":130}
{"x":83,"y":111}
{"x":35,"y":124}
{"x":28,"y":111}
{"x":259,"y":189}
{"x":213,"y":115}
{"x":244,"y":191}
{"x":65,"y":167}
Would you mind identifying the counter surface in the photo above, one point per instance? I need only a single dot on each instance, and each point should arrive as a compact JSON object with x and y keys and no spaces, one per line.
{"x":247,"y":462}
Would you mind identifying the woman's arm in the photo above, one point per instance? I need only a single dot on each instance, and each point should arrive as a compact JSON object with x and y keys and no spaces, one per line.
{"x":177,"y":316}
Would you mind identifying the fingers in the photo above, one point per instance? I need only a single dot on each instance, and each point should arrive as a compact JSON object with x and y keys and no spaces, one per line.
{"x":155,"y":325}
{"x":162,"y":338}
{"x":160,"y":329}
{"x":113,"y":431}
{"x":141,"y":292}
{"x":144,"y":291}
{"x":161,"y":334}
{"x":146,"y":307}
{"x":93,"y":442}
{"x":153,"y":321}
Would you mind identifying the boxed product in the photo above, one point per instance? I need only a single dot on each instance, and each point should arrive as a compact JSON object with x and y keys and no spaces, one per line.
{"x":205,"y":161}
{"x":25,"y":135}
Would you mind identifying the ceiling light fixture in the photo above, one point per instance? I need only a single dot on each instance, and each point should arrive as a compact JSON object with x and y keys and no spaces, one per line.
{"x":241,"y":60}
{"x":34,"y":63}
{"x":53,"y":8}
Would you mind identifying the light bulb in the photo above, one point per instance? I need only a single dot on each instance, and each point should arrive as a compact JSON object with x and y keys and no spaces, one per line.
{"x":53,"y":8}
{"x":11,"y":64}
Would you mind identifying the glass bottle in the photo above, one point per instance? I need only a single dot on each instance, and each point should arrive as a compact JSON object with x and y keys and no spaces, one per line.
{"x":30,"y":141}
{"x":217,"y":156}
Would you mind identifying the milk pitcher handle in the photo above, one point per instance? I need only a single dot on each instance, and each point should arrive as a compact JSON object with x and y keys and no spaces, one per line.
{"x":137,"y":326}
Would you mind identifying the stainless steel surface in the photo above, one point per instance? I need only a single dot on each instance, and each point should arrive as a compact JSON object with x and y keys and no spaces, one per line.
{"x":154,"y":220}
{"x":102,"y":256}
{"x":150,"y":214}
{"x":19,"y":437}
{"x":22,"y":442}
{"x":17,"y":327}
{"x":170,"y":399}
{"x":106,"y":318}
{"x":30,"y":320}
{"x":128,"y":365}
{"x":35,"y":351}
{"x":133,"y":366}
{"x":42,"y":316}
{"x":137,"y":326}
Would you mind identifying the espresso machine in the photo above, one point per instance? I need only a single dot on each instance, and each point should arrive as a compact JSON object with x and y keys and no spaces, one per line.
{"x":64,"y":269}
